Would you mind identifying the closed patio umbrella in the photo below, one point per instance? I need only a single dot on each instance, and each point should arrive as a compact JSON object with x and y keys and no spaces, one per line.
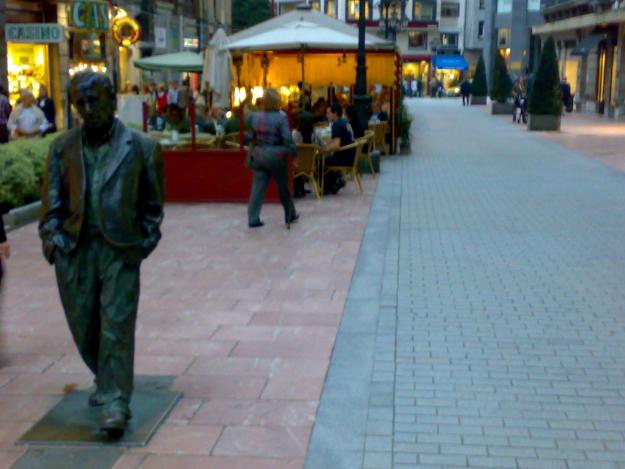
{"x":217,"y":69}
{"x":175,"y":62}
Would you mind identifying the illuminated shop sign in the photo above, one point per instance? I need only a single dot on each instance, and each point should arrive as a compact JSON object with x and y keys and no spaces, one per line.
{"x":126,"y":31}
{"x":91,"y":15}
{"x":41,"y":33}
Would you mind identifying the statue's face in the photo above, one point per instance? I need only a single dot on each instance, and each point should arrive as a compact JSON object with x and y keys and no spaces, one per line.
{"x":95,"y":106}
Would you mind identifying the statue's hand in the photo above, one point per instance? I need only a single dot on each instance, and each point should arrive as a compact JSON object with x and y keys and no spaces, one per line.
{"x":5,"y":250}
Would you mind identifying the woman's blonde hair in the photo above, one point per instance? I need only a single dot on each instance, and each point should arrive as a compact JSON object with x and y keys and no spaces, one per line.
{"x":271,"y":100}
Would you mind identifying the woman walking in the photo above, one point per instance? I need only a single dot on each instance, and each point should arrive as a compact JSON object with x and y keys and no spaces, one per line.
{"x":271,"y":147}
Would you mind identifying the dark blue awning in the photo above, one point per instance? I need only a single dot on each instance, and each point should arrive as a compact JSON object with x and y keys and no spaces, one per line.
{"x":450,"y":62}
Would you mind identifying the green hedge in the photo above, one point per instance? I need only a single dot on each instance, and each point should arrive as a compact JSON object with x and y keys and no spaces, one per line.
{"x":502,"y":84}
{"x":22,"y":165}
{"x":545,"y":97}
{"x":479,"y":87}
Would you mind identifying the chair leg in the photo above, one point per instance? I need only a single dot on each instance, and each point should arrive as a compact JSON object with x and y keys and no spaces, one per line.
{"x":313,"y":182}
{"x":356,"y":179}
{"x":371,"y":165}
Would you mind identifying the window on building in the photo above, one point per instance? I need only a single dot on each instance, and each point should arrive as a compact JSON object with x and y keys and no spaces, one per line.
{"x":480,"y":30}
{"x":315,"y":4}
{"x":417,"y":40}
{"x":330,"y":6}
{"x":450,"y":10}
{"x":482,"y":4}
{"x":504,"y":6}
{"x":503,"y":37}
{"x":533,"y":5}
{"x":449,"y":39}
{"x":353,"y":9}
{"x":424,"y":10}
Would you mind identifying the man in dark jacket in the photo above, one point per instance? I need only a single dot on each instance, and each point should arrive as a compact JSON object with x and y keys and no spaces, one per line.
{"x":465,"y":91}
{"x":565,"y":89}
{"x":102,"y":206}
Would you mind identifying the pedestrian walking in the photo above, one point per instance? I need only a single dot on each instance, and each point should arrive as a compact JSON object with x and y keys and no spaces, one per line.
{"x":270,"y":149}
{"x":565,"y":90}
{"x":47,"y":107}
{"x":413,"y":88}
{"x":465,"y":91}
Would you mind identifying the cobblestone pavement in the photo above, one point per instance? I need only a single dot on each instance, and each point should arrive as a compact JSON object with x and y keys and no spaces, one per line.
{"x":595,"y":136}
{"x":243,"y":321}
{"x":485,"y":323}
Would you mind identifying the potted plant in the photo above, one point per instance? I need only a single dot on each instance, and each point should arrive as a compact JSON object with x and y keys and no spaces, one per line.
{"x":502,"y":87}
{"x":545,"y":104}
{"x":479,"y":87}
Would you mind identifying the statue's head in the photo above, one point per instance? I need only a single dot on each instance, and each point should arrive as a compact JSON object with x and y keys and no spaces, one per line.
{"x":94,"y":97}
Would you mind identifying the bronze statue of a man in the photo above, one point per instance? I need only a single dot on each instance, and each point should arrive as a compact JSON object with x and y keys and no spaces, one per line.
{"x":102,"y":207}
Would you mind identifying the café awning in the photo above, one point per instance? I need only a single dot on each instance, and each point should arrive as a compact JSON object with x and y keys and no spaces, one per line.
{"x":175,"y":62}
{"x":588,"y":44}
{"x":308,"y":29}
{"x":450,"y":62}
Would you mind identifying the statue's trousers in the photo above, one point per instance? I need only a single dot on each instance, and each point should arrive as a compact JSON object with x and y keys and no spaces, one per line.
{"x":99,"y":290}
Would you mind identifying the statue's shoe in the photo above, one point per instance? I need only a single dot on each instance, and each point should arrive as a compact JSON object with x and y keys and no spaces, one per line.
{"x":96,"y":399}
{"x":114,"y":421}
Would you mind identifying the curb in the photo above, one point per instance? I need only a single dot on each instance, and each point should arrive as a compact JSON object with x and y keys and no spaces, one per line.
{"x":21,"y":216}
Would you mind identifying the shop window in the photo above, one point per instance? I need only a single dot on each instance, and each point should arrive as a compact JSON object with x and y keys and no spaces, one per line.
{"x":287,"y":7}
{"x":504,"y":6}
{"x":503,"y":37}
{"x":480,"y":30}
{"x":449,"y":39}
{"x":27,"y":68}
{"x":316,"y":5}
{"x":417,"y":40}
{"x":330,"y":6}
{"x":424,"y":10}
{"x":450,"y":10}
{"x":353,"y":9}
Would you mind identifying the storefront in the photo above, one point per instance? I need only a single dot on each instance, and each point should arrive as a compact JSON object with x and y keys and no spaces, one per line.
{"x":416,"y":73}
{"x":448,"y":71}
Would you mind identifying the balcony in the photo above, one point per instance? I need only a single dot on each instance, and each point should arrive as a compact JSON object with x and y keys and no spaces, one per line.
{"x":573,"y":7}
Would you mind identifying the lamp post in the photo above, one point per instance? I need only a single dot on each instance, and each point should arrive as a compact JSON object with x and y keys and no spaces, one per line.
{"x":361,"y":97}
{"x":397,"y":18}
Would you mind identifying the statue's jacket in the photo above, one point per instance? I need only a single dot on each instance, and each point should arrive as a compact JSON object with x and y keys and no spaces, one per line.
{"x":131,"y":198}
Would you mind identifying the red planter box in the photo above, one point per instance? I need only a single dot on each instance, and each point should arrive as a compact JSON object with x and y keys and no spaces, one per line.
{"x":210,"y":176}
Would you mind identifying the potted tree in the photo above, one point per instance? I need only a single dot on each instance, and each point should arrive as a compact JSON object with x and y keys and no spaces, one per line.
{"x":479,"y":87}
{"x":502,"y":87}
{"x":545,"y":105}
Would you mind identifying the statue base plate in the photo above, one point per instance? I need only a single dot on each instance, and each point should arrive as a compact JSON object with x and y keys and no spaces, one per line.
{"x":73,"y":422}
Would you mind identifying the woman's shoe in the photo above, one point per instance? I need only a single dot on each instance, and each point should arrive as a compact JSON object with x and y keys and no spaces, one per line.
{"x":256,"y":224}
{"x":293,"y":219}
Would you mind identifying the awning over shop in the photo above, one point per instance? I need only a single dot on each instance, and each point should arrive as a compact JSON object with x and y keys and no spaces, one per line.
{"x":588,"y":44}
{"x":176,"y":62}
{"x":450,"y":62}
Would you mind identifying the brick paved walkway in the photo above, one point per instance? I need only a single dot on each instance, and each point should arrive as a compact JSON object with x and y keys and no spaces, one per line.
{"x":244,"y":321}
{"x":485,"y":324}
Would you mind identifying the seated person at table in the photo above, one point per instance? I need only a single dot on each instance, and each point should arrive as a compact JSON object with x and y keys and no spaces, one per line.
{"x":215,"y":122}
{"x":357,"y":129}
{"x":378,"y":114}
{"x":319,"y":110}
{"x":176,"y":120}
{"x":342,"y":134}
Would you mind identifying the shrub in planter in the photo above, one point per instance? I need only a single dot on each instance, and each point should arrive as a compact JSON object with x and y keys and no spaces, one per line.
{"x":405,"y":121}
{"x":502,"y":84}
{"x":545,"y":101}
{"x":18,"y":181}
{"x":479,"y":87}
{"x":22,"y":165}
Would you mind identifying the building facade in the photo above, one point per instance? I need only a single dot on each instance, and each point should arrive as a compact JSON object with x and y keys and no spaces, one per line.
{"x":513,"y":24}
{"x":422,"y":30}
{"x":590,"y":41}
{"x":44,"y":42}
